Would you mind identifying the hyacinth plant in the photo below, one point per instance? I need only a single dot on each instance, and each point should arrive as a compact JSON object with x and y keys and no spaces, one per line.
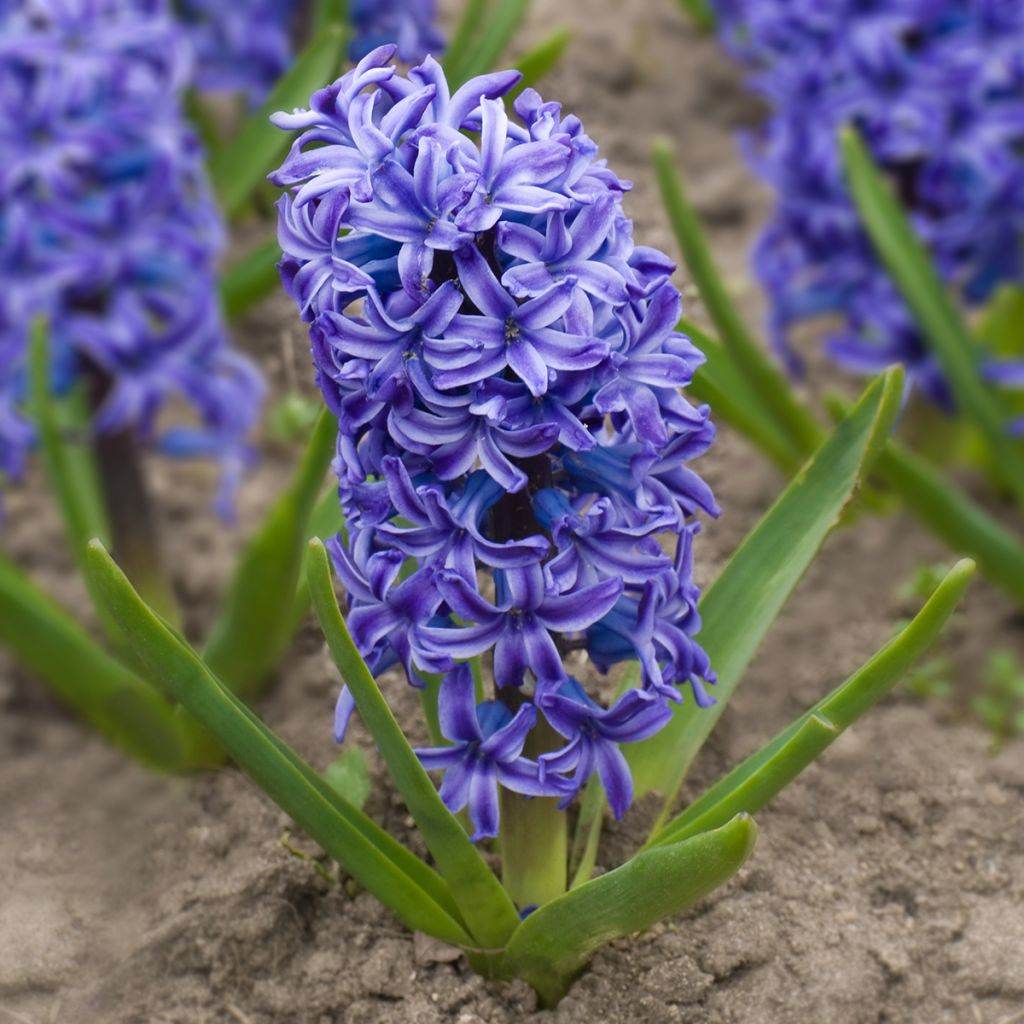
{"x":893,"y":219}
{"x":113,"y":345}
{"x":514,"y":463}
{"x":112,"y":321}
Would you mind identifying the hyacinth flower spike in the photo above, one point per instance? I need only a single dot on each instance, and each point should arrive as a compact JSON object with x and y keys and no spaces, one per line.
{"x":502,"y":525}
{"x":751,"y":393}
{"x":925,"y":102}
{"x":113,"y":345}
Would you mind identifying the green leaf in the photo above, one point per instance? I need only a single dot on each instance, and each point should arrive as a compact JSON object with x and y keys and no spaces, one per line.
{"x":929,"y":300}
{"x":963,"y":524}
{"x":326,"y":522}
{"x":251,"y":634}
{"x":724,"y":387}
{"x":329,"y":12}
{"x":64,"y":461}
{"x":767,"y":382}
{"x":1000,"y":325}
{"x":250,"y":279}
{"x":586,"y":840}
{"x":103,"y":691}
{"x":951,"y":515}
{"x":389,"y":871}
{"x":237,"y":168}
{"x":699,"y":11}
{"x":459,"y":52}
{"x":481,"y":54}
{"x":292,"y":417}
{"x":749,"y":786}
{"x":538,"y":62}
{"x":349,"y":777}
{"x":742,"y":603}
{"x":555,"y":942}
{"x":484,"y":904}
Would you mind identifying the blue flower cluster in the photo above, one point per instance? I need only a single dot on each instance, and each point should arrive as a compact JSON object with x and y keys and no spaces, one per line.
{"x":936,"y":87}
{"x":108,"y":230}
{"x":409,"y":24}
{"x":506,"y":373}
{"x":240,"y":46}
{"x":244,"y":46}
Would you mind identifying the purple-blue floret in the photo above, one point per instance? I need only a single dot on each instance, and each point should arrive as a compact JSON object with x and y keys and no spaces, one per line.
{"x":936,"y":88}
{"x":514,"y":442}
{"x":108,"y":230}
{"x":240,"y":46}
{"x":411,"y":25}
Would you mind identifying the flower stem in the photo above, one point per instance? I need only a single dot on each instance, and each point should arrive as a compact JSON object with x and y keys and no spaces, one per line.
{"x":534,"y":837}
{"x":134,"y":531}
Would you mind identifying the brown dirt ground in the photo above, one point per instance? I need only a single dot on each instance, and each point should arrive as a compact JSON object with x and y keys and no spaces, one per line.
{"x":888,"y":883}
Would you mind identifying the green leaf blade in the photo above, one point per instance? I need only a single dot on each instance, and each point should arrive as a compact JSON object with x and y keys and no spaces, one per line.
{"x":237,"y":168}
{"x":541,"y":60}
{"x":721,"y":384}
{"x":485,"y":906}
{"x":250,"y":279}
{"x":479,"y":54}
{"x":768,"y":383}
{"x":928,"y":298}
{"x":103,"y":691}
{"x":80,"y":511}
{"x":384,"y":867}
{"x":742,"y":603}
{"x":749,"y":786}
{"x":555,"y":942}
{"x":252,"y":633}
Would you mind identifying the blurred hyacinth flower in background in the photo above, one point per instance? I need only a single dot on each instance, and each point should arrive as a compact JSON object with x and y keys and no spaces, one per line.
{"x":109,"y":232}
{"x":513,"y":436}
{"x":410,"y":24}
{"x":936,"y":91}
{"x":242,"y":46}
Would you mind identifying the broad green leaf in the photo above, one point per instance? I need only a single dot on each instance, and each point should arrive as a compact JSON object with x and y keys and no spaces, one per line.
{"x":252,"y":634}
{"x":494,"y":33}
{"x":349,"y":777}
{"x":743,"y":602}
{"x":102,"y":690}
{"x":749,"y":786}
{"x":700,"y":13}
{"x":732,"y":399}
{"x":536,"y":63}
{"x":383,"y":866}
{"x":250,"y":279}
{"x":329,"y":12}
{"x":484,"y":904}
{"x":929,"y":299}
{"x":237,"y":168}
{"x":555,"y":942}
{"x":767,"y":381}
{"x":951,"y":515}
{"x":459,"y":52}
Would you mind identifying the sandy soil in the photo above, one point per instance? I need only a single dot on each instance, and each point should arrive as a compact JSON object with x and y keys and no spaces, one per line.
{"x":888,"y":884}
